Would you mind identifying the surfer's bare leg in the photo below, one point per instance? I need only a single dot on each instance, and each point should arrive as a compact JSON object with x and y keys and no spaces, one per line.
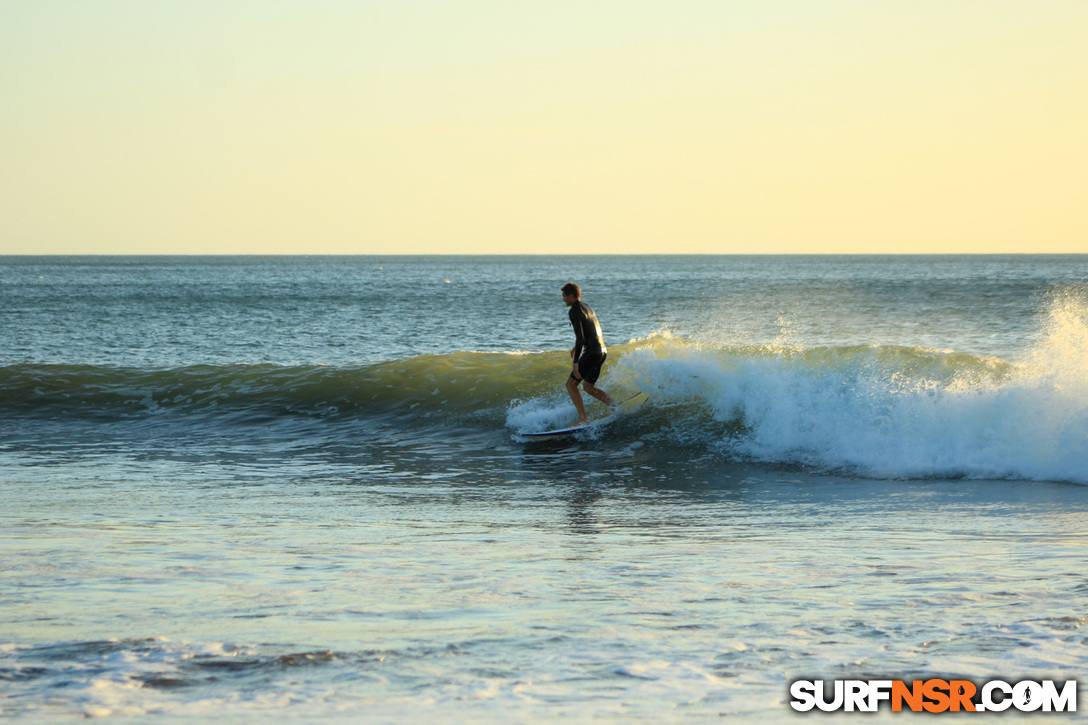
{"x":576,"y":397}
{"x":597,"y":393}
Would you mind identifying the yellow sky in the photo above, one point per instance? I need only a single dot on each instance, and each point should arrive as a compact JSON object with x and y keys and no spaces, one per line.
{"x":253,"y":126}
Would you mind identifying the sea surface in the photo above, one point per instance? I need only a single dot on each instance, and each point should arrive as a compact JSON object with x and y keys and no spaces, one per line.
{"x":282,"y":489}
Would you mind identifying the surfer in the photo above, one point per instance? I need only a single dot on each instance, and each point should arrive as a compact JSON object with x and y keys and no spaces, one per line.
{"x":588,"y":352}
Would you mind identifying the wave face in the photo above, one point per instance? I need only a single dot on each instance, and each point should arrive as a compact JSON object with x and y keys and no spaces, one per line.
{"x":421,"y":387}
{"x":876,"y":411}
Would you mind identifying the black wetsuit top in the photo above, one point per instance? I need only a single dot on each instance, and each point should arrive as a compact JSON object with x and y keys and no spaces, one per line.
{"x":587,"y":331}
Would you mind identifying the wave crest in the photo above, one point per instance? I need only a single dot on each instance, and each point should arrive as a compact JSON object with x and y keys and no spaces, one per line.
{"x":880,"y":411}
{"x":888,"y":412}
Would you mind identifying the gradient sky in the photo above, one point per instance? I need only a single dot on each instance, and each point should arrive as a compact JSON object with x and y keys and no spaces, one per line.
{"x":254,"y":126}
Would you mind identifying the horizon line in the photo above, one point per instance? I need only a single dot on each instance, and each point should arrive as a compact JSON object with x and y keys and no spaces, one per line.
{"x":549,"y":254}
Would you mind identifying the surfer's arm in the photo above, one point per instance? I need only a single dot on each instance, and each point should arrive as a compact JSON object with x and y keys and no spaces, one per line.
{"x":579,"y":338}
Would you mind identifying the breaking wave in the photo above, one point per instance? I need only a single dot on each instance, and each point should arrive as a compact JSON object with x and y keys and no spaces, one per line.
{"x":876,"y":411}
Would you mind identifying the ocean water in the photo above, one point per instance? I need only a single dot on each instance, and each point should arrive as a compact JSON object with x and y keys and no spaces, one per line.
{"x":291,"y":488}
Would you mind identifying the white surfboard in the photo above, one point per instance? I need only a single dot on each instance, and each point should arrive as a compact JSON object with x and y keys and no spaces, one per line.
{"x":618,"y":411}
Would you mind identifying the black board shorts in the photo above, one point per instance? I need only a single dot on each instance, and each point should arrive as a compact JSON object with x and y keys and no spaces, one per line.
{"x":589,"y":366}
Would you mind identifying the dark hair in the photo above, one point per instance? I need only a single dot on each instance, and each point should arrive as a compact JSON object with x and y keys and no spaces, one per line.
{"x":572,"y":289}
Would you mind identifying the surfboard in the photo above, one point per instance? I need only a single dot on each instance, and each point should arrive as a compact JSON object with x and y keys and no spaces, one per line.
{"x":618,"y":412}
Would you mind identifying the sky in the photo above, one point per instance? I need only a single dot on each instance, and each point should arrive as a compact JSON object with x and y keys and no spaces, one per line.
{"x":511,"y":127}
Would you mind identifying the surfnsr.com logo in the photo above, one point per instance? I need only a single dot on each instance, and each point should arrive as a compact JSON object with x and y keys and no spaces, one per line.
{"x":934,"y":695}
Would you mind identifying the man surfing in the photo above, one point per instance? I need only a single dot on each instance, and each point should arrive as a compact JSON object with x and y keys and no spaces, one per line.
{"x":588,"y":353}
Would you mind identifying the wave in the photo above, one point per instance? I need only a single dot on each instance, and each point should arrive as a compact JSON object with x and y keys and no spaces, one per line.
{"x":876,"y":411}
{"x":423,"y":386}
{"x":879,"y":412}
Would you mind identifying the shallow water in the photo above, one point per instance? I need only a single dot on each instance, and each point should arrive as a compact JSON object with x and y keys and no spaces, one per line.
{"x":561,"y":582}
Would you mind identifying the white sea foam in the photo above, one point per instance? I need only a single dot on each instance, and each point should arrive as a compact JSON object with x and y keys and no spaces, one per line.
{"x":540,"y":414}
{"x":883,"y":412}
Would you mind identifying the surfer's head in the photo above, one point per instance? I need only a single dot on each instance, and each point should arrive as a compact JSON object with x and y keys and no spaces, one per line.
{"x":571,"y":293}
